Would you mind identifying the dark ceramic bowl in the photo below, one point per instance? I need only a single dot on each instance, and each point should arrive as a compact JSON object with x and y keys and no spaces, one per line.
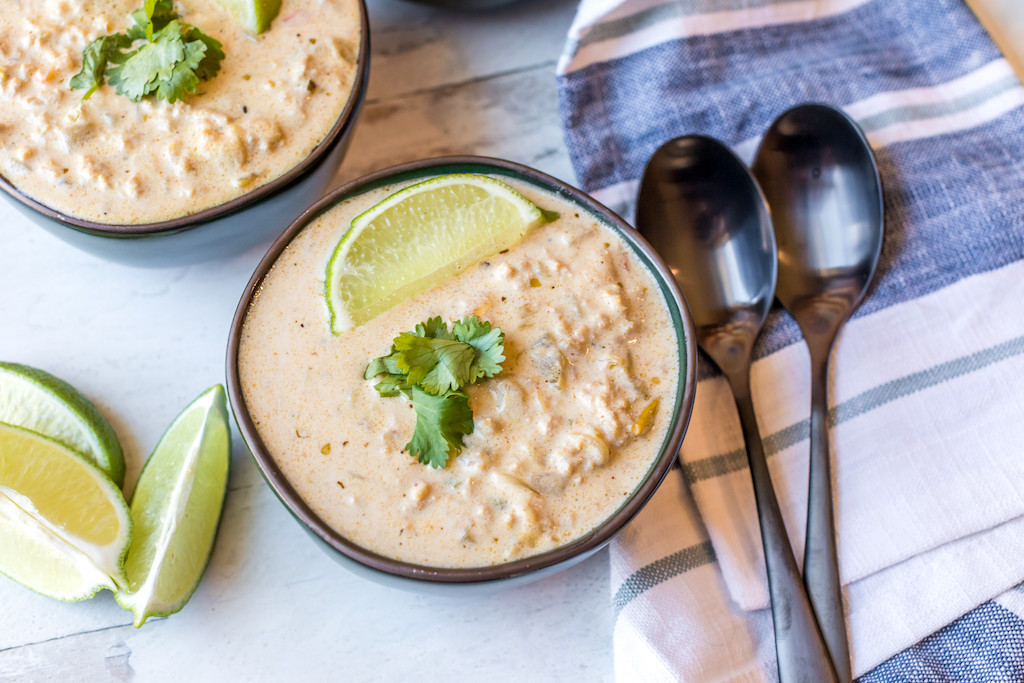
{"x":222,"y":230}
{"x":422,"y":578}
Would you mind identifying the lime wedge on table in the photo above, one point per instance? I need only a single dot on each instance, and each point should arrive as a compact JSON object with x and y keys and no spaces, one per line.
{"x":254,"y":15}
{"x":176,"y":509}
{"x":64,"y":526}
{"x":419,"y":237}
{"x":36,"y":400}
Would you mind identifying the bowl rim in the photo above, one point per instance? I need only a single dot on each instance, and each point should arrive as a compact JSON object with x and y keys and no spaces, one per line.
{"x":307,"y":165}
{"x":592,"y":540}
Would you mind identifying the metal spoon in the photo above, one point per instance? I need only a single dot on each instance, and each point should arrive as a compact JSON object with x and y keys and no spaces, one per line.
{"x":702,"y":211}
{"x":821,"y":182}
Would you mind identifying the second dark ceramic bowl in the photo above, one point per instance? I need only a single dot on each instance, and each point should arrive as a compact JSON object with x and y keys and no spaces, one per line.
{"x":223,"y":230}
{"x":425,"y":578}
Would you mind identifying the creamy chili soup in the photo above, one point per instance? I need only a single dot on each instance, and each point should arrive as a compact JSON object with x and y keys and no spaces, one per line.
{"x":115,"y":161}
{"x":562,"y":436}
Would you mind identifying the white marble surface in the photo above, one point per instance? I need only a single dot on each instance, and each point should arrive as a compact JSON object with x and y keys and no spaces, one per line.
{"x":142,"y":343}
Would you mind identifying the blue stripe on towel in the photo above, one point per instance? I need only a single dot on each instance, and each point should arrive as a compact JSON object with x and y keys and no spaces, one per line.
{"x":985,"y":645}
{"x":732,"y":85}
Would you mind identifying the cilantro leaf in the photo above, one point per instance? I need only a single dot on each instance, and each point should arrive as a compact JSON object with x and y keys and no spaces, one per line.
{"x":161,"y":12}
{"x":210,"y":64}
{"x":381,"y":366}
{"x":171,"y":61}
{"x":141,"y":70}
{"x":434,"y":328}
{"x":183,"y":77}
{"x":488,"y":343}
{"x":153,"y":17}
{"x":94,"y":62}
{"x":441,"y":422}
{"x":430,"y":366}
{"x":141,"y":27}
{"x":394,"y":383}
{"x":437,"y":365}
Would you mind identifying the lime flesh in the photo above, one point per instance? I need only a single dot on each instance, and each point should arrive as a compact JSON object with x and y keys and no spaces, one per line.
{"x":36,"y":400}
{"x":176,"y":509}
{"x":64,"y":525}
{"x":254,"y":15}
{"x":419,"y":237}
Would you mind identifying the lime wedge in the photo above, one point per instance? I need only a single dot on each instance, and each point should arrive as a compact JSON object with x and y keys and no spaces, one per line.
{"x":64,"y":526}
{"x":176,"y":509}
{"x":254,"y":15}
{"x":36,"y":400}
{"x":419,"y":237}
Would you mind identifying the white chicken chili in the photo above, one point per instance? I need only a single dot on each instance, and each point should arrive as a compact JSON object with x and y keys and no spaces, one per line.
{"x":561,"y":437}
{"x":115,"y":161}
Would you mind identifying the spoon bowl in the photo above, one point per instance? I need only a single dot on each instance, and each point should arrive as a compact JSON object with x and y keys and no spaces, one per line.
{"x":703,"y":212}
{"x":700,"y":208}
{"x":821,"y":181}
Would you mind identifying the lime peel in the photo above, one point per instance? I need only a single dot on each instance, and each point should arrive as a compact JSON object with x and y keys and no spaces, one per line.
{"x":38,"y":401}
{"x":419,"y":237}
{"x":176,"y":509}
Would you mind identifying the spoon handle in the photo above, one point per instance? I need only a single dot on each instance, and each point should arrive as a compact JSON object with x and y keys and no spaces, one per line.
{"x":821,"y":564}
{"x":801,"y":653}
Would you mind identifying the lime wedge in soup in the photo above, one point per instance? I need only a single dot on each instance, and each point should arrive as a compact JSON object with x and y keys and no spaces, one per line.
{"x":176,"y":509}
{"x":419,"y":237}
{"x":254,"y":15}
{"x":36,"y":400}
{"x":64,"y":526}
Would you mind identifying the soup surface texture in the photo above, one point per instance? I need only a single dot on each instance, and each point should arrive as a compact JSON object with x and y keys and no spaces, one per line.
{"x":559,"y":443}
{"x":114,"y":161}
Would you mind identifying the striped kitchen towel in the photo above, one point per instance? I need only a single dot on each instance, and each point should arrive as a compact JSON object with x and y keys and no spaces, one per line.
{"x":927,"y":379}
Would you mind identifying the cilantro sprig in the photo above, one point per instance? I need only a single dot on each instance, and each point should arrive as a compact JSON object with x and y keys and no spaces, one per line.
{"x":430,"y":366}
{"x":170,"y":61}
